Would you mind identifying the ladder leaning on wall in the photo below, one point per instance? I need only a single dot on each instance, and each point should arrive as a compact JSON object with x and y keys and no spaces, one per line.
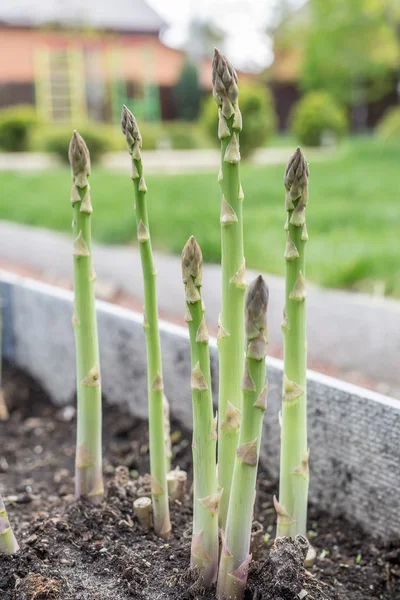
{"x":60,"y":84}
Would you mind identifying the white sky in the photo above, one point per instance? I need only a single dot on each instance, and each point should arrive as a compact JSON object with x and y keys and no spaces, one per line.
{"x":244,"y":22}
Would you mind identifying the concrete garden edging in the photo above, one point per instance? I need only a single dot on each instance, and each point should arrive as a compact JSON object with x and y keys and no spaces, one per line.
{"x":354,"y":433}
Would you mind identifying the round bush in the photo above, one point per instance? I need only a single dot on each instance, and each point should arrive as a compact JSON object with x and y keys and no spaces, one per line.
{"x":389,"y":126}
{"x":259,"y":119}
{"x":182,"y":135}
{"x":98,"y":141}
{"x":16,"y":125}
{"x":316,"y":115}
{"x":150,"y":133}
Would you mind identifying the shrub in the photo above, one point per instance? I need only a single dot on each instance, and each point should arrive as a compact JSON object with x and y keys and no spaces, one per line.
{"x":16,"y":125}
{"x":315,"y":115}
{"x":99,"y":139}
{"x":183,"y":135}
{"x":151,"y":135}
{"x":259,"y":120}
{"x":389,"y":126}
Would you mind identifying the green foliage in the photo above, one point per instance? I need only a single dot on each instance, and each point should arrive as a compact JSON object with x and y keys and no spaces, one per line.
{"x":358,"y":249}
{"x":188,"y":93}
{"x":349,"y":48}
{"x":151,"y":134}
{"x":16,"y":126}
{"x":183,"y":135}
{"x":178,"y":135}
{"x":315,"y":114}
{"x":389,"y":126}
{"x":259,"y":119}
{"x":99,"y":139}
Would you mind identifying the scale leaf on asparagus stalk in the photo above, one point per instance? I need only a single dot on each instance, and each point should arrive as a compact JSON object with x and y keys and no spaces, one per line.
{"x":161,"y":519}
{"x":205,"y":543}
{"x":231,"y":325}
{"x":88,"y":462}
{"x":235,"y":555}
{"x":294,"y":476}
{"x":8,"y":543}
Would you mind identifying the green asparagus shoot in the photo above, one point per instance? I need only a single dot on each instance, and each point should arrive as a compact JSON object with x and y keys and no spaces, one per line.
{"x":205,"y":544}
{"x":158,"y":459}
{"x":235,"y":555}
{"x":167,"y":434}
{"x":8,"y":543}
{"x":293,"y":491}
{"x":3,"y":405}
{"x":88,"y":463}
{"x":231,"y":324}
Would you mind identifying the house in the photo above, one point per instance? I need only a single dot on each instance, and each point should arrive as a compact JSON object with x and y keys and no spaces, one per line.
{"x":82,"y":59}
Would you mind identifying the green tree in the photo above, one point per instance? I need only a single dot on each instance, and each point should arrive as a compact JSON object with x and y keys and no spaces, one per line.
{"x":351,"y":49}
{"x":187,"y":92}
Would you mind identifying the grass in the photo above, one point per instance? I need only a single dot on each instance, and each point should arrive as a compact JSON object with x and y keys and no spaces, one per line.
{"x":353,"y":215}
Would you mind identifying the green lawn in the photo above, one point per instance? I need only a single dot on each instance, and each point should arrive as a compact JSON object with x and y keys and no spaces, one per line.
{"x":353,"y":216}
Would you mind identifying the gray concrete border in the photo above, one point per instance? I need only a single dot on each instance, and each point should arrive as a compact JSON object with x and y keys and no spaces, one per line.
{"x":354,"y":433}
{"x":351,"y":332}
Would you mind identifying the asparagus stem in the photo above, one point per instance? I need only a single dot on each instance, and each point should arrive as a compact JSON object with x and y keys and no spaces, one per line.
{"x":143,"y":510}
{"x":167,"y":434}
{"x":3,"y":405}
{"x":204,"y":553}
{"x":88,"y":463}
{"x":231,"y":326}
{"x":177,"y":483}
{"x":294,"y":475}
{"x":161,"y":519}
{"x":235,"y":556}
{"x":8,"y":543}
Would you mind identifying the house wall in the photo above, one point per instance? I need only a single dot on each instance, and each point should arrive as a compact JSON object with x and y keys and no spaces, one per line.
{"x":110,"y":59}
{"x":142,"y":57}
{"x":20,"y":45}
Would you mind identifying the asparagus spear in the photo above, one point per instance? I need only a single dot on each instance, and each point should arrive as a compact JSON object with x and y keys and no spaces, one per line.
{"x":161,"y":519}
{"x":88,"y":463}
{"x":204,"y":553}
{"x":235,"y":556}
{"x":8,"y":543}
{"x":167,"y":434}
{"x":292,"y":506}
{"x":3,"y":405}
{"x":231,"y":325}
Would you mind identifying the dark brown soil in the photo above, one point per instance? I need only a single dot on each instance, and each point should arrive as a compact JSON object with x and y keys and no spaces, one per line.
{"x":74,"y":551}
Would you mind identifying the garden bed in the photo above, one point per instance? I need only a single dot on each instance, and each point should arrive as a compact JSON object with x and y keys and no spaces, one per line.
{"x":354,"y":433}
{"x":75,"y":551}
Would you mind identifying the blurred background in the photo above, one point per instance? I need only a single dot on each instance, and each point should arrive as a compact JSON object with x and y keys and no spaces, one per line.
{"x":321,"y":73}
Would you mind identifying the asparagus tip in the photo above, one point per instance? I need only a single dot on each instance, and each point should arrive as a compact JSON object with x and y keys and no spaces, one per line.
{"x":219,"y":63}
{"x":224,"y":78}
{"x":256,"y":307}
{"x":296,"y":175}
{"x":79,"y":157}
{"x":130,"y":127}
{"x":192,"y":261}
